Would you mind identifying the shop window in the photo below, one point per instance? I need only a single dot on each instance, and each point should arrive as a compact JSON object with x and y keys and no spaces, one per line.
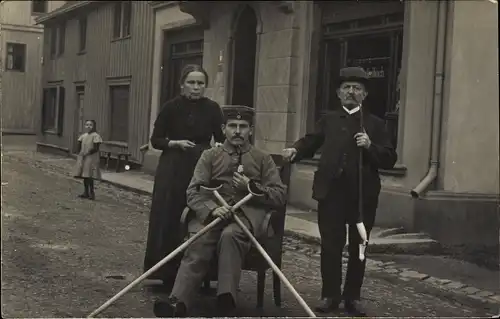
{"x":376,"y":49}
{"x":120,"y":97}
{"x":16,"y":57}
{"x":122,"y":18}
{"x":53,"y":109}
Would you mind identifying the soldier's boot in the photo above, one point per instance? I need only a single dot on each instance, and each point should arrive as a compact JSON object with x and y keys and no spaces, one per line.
{"x":170,"y":308}
{"x":226,"y":305}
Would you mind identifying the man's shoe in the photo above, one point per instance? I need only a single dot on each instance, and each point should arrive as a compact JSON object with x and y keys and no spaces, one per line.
{"x":226,"y":305}
{"x":170,"y":309}
{"x":354,"y":308}
{"x":84,"y":195}
{"x":327,"y":305}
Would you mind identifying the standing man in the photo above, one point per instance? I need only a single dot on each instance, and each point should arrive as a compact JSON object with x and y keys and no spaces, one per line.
{"x":335,"y":186}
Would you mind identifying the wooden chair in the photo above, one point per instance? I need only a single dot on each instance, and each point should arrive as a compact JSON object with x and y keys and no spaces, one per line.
{"x":272,"y":244}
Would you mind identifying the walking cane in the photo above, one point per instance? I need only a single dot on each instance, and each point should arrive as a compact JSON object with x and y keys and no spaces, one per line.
{"x":172,"y":254}
{"x":360,"y":225}
{"x":256,"y":192}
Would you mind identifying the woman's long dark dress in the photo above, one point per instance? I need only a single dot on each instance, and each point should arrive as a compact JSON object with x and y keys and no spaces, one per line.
{"x":179,"y":119}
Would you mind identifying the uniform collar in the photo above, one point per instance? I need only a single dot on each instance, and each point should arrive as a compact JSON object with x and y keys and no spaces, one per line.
{"x":229,"y":148}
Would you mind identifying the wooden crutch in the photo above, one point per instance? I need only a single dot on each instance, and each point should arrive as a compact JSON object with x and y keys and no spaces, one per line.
{"x":171,"y":255}
{"x":253,"y":191}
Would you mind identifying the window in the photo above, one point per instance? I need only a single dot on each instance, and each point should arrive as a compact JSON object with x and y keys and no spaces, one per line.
{"x":180,"y":54}
{"x":38,"y":6}
{"x":62,"y":38}
{"x":122,"y":17}
{"x":83,"y":33}
{"x":53,"y":109}
{"x":378,"y":52}
{"x":16,"y":57}
{"x":53,"y":42}
{"x":57,"y":40}
{"x":119,"y":113}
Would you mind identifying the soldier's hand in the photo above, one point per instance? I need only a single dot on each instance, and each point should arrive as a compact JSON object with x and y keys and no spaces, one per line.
{"x":222,"y":212}
{"x":240,"y":181}
{"x":289,"y":154}
{"x":363,"y":140}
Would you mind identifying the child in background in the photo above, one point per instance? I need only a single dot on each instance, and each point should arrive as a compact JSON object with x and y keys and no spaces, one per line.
{"x":87,"y":164}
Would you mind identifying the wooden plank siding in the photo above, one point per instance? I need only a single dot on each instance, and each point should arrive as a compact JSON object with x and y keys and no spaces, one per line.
{"x":105,"y":61}
{"x":21,"y":95}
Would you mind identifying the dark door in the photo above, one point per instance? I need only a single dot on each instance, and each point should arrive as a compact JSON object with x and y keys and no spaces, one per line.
{"x":243,"y":58}
{"x":180,"y":47}
{"x":119,"y":113}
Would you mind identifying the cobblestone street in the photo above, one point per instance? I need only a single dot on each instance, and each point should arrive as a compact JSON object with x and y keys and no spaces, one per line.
{"x":64,"y":256}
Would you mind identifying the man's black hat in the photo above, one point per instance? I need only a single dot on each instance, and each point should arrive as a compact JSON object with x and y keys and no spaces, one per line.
{"x":238,"y":112}
{"x":353,"y":74}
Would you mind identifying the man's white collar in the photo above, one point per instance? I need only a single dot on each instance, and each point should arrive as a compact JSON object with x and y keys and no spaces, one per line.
{"x":352,"y":111}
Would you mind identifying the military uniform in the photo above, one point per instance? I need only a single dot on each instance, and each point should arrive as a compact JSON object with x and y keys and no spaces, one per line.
{"x":226,"y":239}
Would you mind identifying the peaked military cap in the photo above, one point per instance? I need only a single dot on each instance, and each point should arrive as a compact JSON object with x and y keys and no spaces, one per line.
{"x":238,"y":112}
{"x":354,"y":74}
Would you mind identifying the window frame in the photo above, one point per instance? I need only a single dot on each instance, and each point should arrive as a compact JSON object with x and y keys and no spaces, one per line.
{"x":57,"y":40}
{"x":14,"y":45}
{"x":119,"y":12}
{"x":37,"y":13}
{"x":82,"y":34}
{"x":60,"y":98}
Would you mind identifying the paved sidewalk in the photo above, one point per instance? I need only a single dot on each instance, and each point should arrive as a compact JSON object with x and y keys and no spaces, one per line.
{"x":298,"y":222}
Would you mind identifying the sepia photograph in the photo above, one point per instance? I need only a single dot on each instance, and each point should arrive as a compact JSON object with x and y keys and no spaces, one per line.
{"x":167,"y":159}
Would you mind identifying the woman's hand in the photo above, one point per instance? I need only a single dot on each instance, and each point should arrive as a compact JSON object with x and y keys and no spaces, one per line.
{"x":182,"y":144}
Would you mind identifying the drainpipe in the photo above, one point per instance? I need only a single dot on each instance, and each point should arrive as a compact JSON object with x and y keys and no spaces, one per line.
{"x":437,"y":107}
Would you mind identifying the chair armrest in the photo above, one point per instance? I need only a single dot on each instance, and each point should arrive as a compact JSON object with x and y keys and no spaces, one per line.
{"x":186,"y":216}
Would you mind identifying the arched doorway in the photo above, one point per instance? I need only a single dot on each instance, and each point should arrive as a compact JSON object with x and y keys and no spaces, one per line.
{"x":244,"y":47}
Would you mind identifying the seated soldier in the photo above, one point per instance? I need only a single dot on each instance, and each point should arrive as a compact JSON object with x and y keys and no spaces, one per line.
{"x":237,"y":163}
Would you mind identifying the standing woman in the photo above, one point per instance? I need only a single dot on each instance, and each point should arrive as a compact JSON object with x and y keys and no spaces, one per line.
{"x":183,"y":130}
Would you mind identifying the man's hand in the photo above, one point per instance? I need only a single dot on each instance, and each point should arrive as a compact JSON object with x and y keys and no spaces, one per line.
{"x":289,"y":154}
{"x":363,"y":140}
{"x":240,"y":181}
{"x":223,"y":212}
{"x":182,"y":144}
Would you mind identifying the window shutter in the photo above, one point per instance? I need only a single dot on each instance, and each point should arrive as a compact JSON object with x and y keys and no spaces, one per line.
{"x":60,"y":111}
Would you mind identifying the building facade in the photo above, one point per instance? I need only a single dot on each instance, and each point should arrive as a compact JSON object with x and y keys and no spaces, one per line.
{"x":21,"y":63}
{"x":434,"y":79}
{"x":97,"y":65}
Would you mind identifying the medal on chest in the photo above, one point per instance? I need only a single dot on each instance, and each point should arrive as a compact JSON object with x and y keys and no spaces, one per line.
{"x":240,"y":169}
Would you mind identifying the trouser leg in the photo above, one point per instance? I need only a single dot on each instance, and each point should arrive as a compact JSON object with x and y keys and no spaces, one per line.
{"x":232,"y":248}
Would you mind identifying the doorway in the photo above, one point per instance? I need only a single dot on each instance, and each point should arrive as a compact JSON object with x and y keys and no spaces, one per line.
{"x":244,"y":49}
{"x":79,"y":116}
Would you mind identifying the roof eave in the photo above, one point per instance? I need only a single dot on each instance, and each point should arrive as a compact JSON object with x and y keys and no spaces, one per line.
{"x":59,"y":12}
